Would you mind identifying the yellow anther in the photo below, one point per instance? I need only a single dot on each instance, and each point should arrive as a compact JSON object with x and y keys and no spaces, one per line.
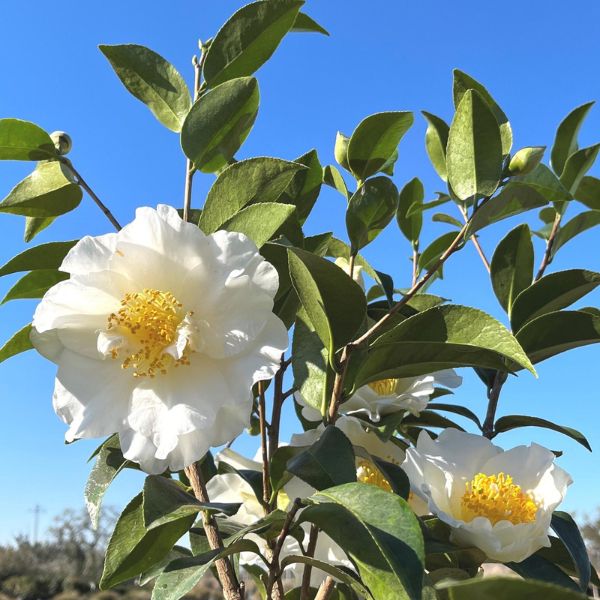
{"x":384,"y":387}
{"x":367,"y":472}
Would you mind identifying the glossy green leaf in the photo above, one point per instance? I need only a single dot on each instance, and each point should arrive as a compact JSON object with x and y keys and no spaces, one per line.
{"x":436,"y":140}
{"x":109,"y":463}
{"x":34,"y":284}
{"x":22,"y":140}
{"x":577,"y":165}
{"x":18,"y":343}
{"x":431,"y":254}
{"x":380,"y":533}
{"x":48,"y":192}
{"x":305,"y":23}
{"x":578,"y":224}
{"x":588,"y":192}
{"x":44,"y":256}
{"x":374,"y":141}
{"x":558,"y":332}
{"x":552,"y":292}
{"x":153,"y":80}
{"x":260,"y":179}
{"x":509,"y":422}
{"x":305,"y":185}
{"x":370,"y":210}
{"x":319,"y":285}
{"x":559,"y":555}
{"x":448,"y":219}
{"x":248,"y":39}
{"x":260,"y":222}
{"x":412,"y":194}
{"x":512,"y":266}
{"x":504,"y":588}
{"x":440,"y":338}
{"x":526,"y":160}
{"x":219,"y":122}
{"x":566,"y":529}
{"x":514,"y":199}
{"x":544,"y":181}
{"x":565,"y":141}
{"x":456,"y":409}
{"x":327,"y":463}
{"x":463,"y":83}
{"x":333,"y":178}
{"x":132,"y":549}
{"x":33,"y":225}
{"x":537,"y":567}
{"x":419,"y":208}
{"x":474,"y":151}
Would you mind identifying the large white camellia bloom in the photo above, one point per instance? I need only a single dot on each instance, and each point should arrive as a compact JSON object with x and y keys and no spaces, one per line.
{"x":387,"y":396}
{"x":500,"y":501}
{"x":159,"y":334}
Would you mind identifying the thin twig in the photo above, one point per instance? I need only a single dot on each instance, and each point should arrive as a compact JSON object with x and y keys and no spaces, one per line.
{"x":83,"y":183}
{"x":547,"y":258}
{"x":351,"y":265}
{"x":473,"y":238}
{"x":493,"y":397}
{"x":310,"y":552}
{"x":415,"y":265}
{"x":263,"y":445}
{"x":326,"y":589}
{"x":278,"y":399}
{"x":227,"y":577}
{"x":337,"y":394}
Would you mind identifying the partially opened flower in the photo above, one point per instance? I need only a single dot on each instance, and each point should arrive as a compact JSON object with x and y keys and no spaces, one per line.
{"x":159,"y":334}
{"x":501,"y":502}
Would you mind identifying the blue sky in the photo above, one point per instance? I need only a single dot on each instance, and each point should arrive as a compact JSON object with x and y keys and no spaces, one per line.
{"x":538,"y":59}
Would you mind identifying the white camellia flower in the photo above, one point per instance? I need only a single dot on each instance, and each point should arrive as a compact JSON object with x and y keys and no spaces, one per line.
{"x":159,"y":334}
{"x":387,"y":396}
{"x":357,"y":272}
{"x":500,"y":501}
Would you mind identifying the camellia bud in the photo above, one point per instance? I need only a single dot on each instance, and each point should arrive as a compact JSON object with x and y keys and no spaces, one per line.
{"x":62,"y":142}
{"x":526,"y":160}
{"x":340,"y":150}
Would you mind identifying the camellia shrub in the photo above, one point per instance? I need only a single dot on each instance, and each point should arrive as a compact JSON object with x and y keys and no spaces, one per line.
{"x":175,"y":333}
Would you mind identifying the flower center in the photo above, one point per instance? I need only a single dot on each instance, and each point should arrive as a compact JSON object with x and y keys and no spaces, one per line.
{"x":384,"y":387}
{"x":367,"y":472}
{"x":497,"y":498}
{"x":150,"y":320}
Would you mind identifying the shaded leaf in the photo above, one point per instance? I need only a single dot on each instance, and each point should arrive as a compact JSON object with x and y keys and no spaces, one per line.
{"x":18,"y":343}
{"x":432,"y":253}
{"x":436,"y":140}
{"x":305,"y":185}
{"x":537,"y":567}
{"x":305,"y":23}
{"x":568,"y":532}
{"x":578,"y":224}
{"x":565,"y":141}
{"x":33,"y":225}
{"x":22,"y":140}
{"x":577,"y":165}
{"x":34,"y":284}
{"x":588,"y":192}
{"x":412,"y":194}
{"x":333,"y":178}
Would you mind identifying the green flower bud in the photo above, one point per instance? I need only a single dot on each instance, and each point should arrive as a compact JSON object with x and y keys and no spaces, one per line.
{"x":340,"y":150}
{"x":62,"y":142}
{"x":526,"y":160}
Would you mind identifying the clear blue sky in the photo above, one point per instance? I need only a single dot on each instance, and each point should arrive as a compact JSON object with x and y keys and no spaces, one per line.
{"x":539,"y":60}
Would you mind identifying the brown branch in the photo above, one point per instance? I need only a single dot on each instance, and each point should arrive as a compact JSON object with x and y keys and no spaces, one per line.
{"x":415,"y":265}
{"x":225,"y":571}
{"x":547,"y":258}
{"x":278,"y":399}
{"x":263,"y":445}
{"x":326,"y":589}
{"x":493,"y":397}
{"x":473,"y":238}
{"x":337,"y":394}
{"x":310,"y":552}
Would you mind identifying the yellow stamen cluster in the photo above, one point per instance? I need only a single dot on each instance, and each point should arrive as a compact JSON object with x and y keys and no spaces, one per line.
{"x":497,"y":498}
{"x":367,"y":472}
{"x":149,"y":320}
{"x":384,"y":387}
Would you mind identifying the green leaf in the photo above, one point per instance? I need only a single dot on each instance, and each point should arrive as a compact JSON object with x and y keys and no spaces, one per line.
{"x":463,"y":83}
{"x":474,"y":152}
{"x":420,"y":208}
{"x":133,"y":549}
{"x":565,"y":141}
{"x":448,"y":219}
{"x":340,"y":150}
{"x":577,"y":165}
{"x":34,"y":284}
{"x":109,"y":463}
{"x":512,"y":266}
{"x":374,"y":141}
{"x":379,"y":532}
{"x":515,"y":198}
{"x":319,"y":285}
{"x":22,"y":140}
{"x":370,"y":209}
{"x":432,"y":253}
{"x":260,"y":222}
{"x":513,"y":421}
{"x":552,"y":292}
{"x":568,"y":532}
{"x":153,"y":80}
{"x":219,"y":122}
{"x":588,"y":192}
{"x":440,"y":338}
{"x":18,"y":343}
{"x":333,"y":178}
{"x":44,"y":256}
{"x":558,"y":332}
{"x":504,"y":588}
{"x":436,"y":140}
{"x":182,"y":574}
{"x":456,"y":409}
{"x":260,"y":179}
{"x":33,"y":225}
{"x":248,"y":39}
{"x":305,"y":186}
{"x":544,"y":181}
{"x":559,"y":555}
{"x":328,"y":462}
{"x":48,"y":192}
{"x":537,"y":567}
{"x":578,"y":224}
{"x":305,"y":23}
{"x":412,"y":194}
{"x":526,"y":160}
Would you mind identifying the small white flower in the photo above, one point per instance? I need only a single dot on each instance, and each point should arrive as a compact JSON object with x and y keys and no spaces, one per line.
{"x":357,"y":272}
{"x":159,"y":334}
{"x":387,"y":396}
{"x":501,"y":502}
